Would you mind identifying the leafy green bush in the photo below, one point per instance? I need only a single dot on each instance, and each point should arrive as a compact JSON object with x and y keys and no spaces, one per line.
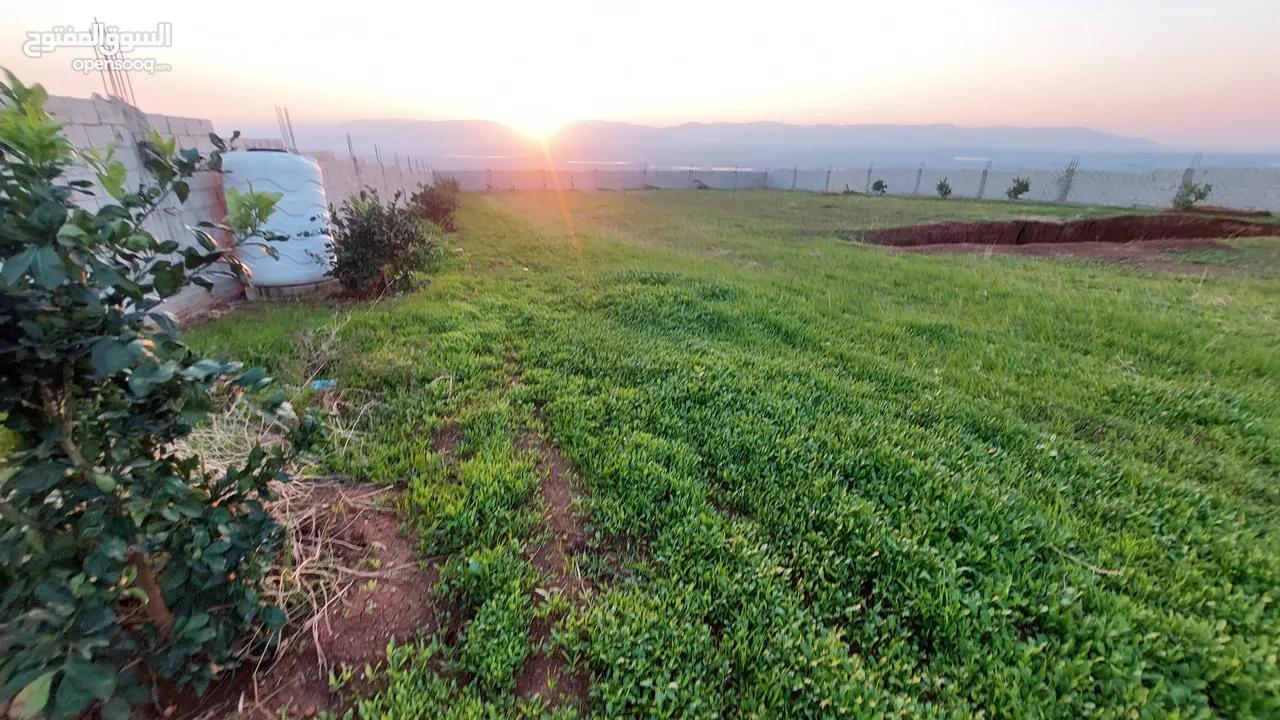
{"x":944,"y":189}
{"x":378,"y":246}
{"x":1190,"y":193}
{"x":121,"y":561}
{"x":438,"y":204}
{"x":1021,"y":186}
{"x":879,"y":187}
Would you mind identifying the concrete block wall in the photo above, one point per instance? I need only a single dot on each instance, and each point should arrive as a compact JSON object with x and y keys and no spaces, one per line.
{"x":1245,"y":188}
{"x":1234,"y":187}
{"x":102,"y":123}
{"x":901,"y":181}
{"x":346,"y":177}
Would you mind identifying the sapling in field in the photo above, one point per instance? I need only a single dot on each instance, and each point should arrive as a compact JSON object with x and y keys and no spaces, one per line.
{"x":1191,"y":193}
{"x":1021,"y":186}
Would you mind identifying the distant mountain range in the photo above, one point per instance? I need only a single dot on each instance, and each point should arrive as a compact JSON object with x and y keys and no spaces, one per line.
{"x":479,"y":144}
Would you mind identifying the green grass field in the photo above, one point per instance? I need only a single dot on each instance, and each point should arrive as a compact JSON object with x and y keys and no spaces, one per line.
{"x":823,"y":479}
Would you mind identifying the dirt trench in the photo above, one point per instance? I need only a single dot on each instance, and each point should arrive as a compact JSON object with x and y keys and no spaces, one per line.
{"x":546,"y":671}
{"x":1120,"y":229}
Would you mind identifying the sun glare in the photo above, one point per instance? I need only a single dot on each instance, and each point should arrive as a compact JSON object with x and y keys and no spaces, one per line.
{"x":534,"y":125}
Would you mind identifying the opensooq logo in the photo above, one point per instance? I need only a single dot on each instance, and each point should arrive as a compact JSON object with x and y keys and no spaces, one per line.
{"x":109,"y":43}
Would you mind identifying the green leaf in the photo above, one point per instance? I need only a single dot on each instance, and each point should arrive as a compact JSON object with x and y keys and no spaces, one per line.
{"x":30,"y":702}
{"x":72,"y":231}
{"x":113,"y":177}
{"x":36,"y":479}
{"x":252,"y":376}
{"x":82,"y":683}
{"x":275,"y":617}
{"x":206,"y":240}
{"x":47,"y":268}
{"x":147,"y":376}
{"x":109,"y":357}
{"x":203,"y":369}
{"x":169,"y":279}
{"x":18,"y":264}
{"x":105,"y":483}
{"x":182,"y":190}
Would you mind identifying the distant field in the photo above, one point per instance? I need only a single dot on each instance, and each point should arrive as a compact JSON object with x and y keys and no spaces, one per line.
{"x":821,"y":479}
{"x":713,"y":219}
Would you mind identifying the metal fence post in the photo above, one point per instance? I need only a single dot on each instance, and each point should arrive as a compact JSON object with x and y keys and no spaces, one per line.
{"x":795,"y":175}
{"x":1068,"y":177}
{"x":382,"y":169}
{"x":919,"y":174}
{"x":982,"y":184}
{"x":828,"y":187}
{"x":1188,"y":175}
{"x":355,"y":165}
{"x":870,"y":169}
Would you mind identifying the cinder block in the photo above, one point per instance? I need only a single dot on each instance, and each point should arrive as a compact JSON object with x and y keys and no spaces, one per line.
{"x":109,"y":111}
{"x":72,"y":110}
{"x":76,"y":135}
{"x":101,"y":136}
{"x":159,"y":123}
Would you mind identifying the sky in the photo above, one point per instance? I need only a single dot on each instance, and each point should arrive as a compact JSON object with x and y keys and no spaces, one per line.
{"x":1190,"y":74}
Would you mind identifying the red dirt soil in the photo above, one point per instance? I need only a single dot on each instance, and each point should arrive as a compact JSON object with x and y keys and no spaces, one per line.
{"x":356,"y":629}
{"x":544,"y":666}
{"x":1122,"y":229}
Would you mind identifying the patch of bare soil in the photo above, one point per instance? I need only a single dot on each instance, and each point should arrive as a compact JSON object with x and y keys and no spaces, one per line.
{"x":1122,"y":229}
{"x":447,"y":439}
{"x":545,"y":671}
{"x":382,"y":592}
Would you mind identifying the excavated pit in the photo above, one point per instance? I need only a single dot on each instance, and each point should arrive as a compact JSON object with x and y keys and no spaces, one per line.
{"x":1121,"y":229}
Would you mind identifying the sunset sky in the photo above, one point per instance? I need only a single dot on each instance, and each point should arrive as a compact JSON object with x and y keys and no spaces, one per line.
{"x":1187,"y":73}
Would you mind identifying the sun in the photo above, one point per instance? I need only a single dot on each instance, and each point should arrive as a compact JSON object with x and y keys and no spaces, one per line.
{"x":535,"y":124}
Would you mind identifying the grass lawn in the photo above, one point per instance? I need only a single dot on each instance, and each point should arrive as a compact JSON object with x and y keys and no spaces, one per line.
{"x":820,"y":478}
{"x":1258,"y":255}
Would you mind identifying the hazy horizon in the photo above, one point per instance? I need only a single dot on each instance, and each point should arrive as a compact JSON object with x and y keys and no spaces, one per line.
{"x":1186,"y":75}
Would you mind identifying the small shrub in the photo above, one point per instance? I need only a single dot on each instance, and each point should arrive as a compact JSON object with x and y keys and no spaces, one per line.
{"x":1021,"y":186}
{"x":1190,"y":193}
{"x":438,"y":204}
{"x":879,"y":187}
{"x":122,"y":560}
{"x":377,"y":246}
{"x":944,"y":189}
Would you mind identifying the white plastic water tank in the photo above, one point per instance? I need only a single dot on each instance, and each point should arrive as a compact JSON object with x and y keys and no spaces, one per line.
{"x":302,"y":214}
